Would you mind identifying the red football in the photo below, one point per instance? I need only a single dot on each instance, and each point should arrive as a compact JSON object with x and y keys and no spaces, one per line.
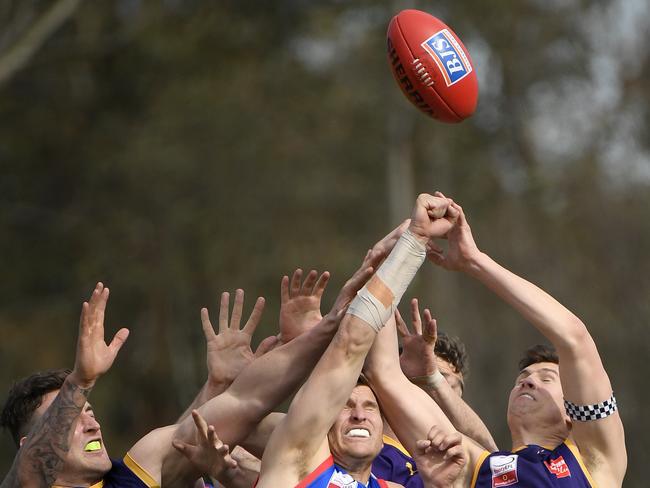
{"x":432,"y":66}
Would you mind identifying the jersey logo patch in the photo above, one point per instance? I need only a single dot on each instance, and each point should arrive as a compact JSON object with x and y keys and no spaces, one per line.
{"x":341,"y":480}
{"x":504,"y":470}
{"x":558,"y":467}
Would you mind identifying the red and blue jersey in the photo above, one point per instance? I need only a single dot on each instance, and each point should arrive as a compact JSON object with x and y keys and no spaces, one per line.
{"x":533,"y":466}
{"x":394,"y":463}
{"x":330,"y":475}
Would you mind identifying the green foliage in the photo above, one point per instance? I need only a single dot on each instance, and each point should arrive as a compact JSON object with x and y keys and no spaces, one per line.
{"x":177,"y":149}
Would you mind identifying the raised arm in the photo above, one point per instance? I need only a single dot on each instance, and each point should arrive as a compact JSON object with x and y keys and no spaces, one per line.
{"x":420,"y":365}
{"x":584,"y":379}
{"x":42,"y":455}
{"x":258,"y":389}
{"x":299,"y":444}
{"x":410,"y":411}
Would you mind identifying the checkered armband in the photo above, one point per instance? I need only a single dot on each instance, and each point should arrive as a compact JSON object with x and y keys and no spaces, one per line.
{"x":584,"y":413}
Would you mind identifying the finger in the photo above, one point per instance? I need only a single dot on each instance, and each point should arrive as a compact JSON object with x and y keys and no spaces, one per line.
{"x":266,"y":345}
{"x":436,"y":258}
{"x":294,"y":288}
{"x":255,"y":317}
{"x":321,"y":284}
{"x":308,"y":285}
{"x":452,"y":213}
{"x":97,"y":308}
{"x":439,"y":194}
{"x":213,"y":440}
{"x":208,"y":330}
{"x":118,"y":341}
{"x":415,"y":316}
{"x":436,"y":207}
{"x":83,"y":320}
{"x":430,"y":334}
{"x":284,"y":289}
{"x":223,"y":312}
{"x":423,"y":444}
{"x":237,"y":309}
{"x":433,"y":246}
{"x":454,"y":452}
{"x":352,"y":286}
{"x":180,"y":446}
{"x":402,"y":329}
{"x":201,"y":424}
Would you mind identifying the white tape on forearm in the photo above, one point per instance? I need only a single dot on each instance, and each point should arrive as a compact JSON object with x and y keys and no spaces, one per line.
{"x":376,"y":302}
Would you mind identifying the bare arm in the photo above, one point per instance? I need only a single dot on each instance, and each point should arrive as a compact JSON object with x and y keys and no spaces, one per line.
{"x":298,"y":444}
{"x":418,"y":360}
{"x":42,"y":456}
{"x":410,"y":412}
{"x":584,"y":379}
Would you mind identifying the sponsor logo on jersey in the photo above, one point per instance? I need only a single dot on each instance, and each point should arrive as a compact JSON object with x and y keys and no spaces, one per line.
{"x":448,"y":55}
{"x":341,"y":480}
{"x":504,"y":470}
{"x":558,"y":467}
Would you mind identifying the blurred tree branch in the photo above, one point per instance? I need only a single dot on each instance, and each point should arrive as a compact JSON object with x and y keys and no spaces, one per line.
{"x":18,"y":54}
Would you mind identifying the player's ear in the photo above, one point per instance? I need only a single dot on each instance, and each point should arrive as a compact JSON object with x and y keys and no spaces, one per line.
{"x":22,"y":440}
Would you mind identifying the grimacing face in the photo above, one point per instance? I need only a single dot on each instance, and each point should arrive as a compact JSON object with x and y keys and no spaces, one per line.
{"x":87,"y":460}
{"x":357,"y":433}
{"x":537,"y":397}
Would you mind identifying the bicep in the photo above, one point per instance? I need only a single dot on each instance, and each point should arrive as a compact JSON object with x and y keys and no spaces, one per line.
{"x":585,"y":382}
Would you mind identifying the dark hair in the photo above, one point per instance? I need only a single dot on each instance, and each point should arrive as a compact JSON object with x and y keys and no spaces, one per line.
{"x":452,"y":350}
{"x":540,"y":353}
{"x":25,"y":396}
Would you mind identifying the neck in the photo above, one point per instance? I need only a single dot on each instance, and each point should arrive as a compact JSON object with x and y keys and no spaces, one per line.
{"x":359,"y":469}
{"x":549,"y":438}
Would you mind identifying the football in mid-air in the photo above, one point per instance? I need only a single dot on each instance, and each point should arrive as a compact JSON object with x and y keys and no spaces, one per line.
{"x":432,"y":66}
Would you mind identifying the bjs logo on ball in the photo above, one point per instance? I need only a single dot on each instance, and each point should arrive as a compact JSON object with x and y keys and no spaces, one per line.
{"x":448,"y":55}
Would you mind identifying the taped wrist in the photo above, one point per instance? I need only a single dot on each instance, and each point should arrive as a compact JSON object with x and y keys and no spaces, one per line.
{"x":376,"y":302}
{"x":431,"y":381}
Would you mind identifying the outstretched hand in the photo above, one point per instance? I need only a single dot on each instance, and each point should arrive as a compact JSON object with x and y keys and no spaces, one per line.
{"x":418,"y":357}
{"x":432,"y":217}
{"x":94,"y":357}
{"x":229,"y":351}
{"x":209,"y":455}
{"x":440,"y":458}
{"x":461,"y":248}
{"x":300,"y":303}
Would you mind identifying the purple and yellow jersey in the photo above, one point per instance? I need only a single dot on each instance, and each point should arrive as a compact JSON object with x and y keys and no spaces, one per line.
{"x":533,"y":466}
{"x":126,"y":473}
{"x":394,"y":463}
{"x":330,"y":475}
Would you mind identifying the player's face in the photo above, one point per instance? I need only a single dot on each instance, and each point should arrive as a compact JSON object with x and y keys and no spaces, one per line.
{"x":454,"y":378}
{"x":357,"y":433}
{"x":87,"y":461}
{"x":537,"y":397}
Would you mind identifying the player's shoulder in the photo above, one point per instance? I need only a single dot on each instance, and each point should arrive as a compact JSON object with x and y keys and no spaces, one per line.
{"x":126,"y":473}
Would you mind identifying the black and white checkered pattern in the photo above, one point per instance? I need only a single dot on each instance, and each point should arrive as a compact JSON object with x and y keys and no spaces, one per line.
{"x":584,"y":413}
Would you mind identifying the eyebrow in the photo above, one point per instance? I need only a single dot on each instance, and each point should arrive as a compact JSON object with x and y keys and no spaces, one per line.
{"x":526,"y":372}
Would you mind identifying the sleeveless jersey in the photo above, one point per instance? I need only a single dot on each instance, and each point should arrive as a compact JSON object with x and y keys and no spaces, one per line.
{"x":533,"y":466}
{"x":126,"y":473}
{"x":394,"y":463}
{"x":330,"y":475}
